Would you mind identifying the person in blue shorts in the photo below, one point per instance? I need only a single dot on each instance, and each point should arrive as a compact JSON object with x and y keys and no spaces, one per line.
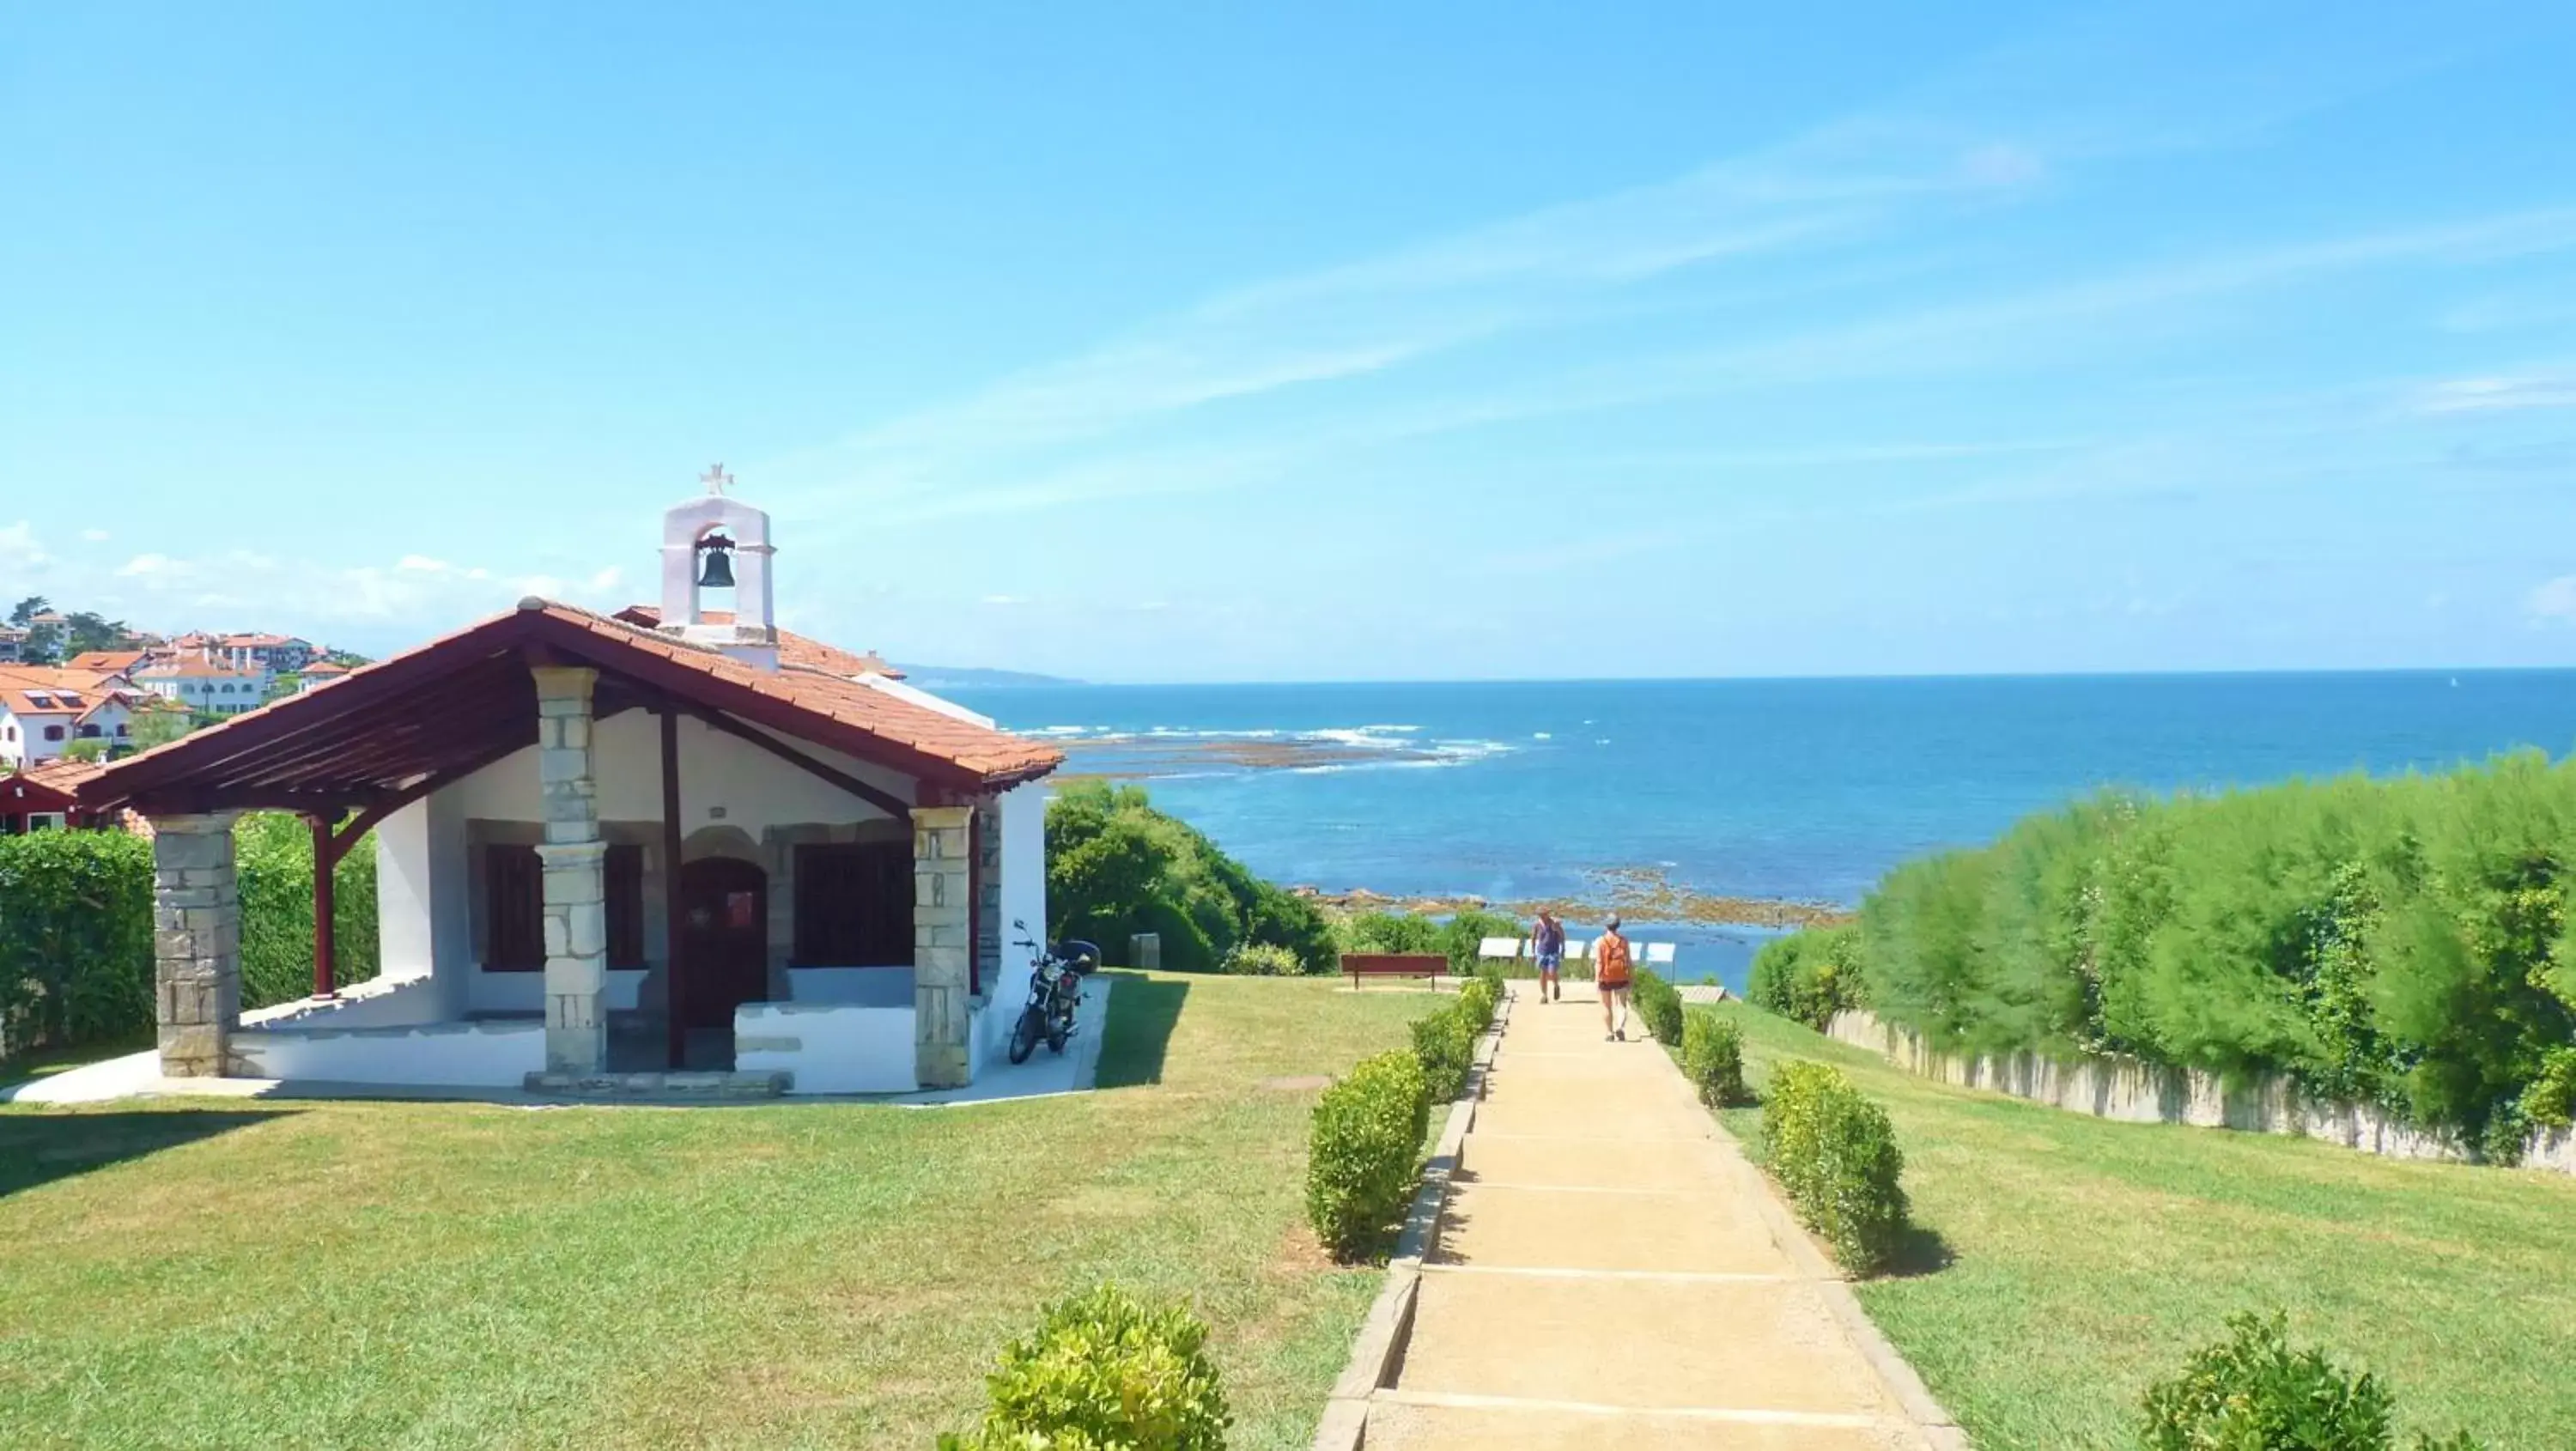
{"x":1547,"y":945}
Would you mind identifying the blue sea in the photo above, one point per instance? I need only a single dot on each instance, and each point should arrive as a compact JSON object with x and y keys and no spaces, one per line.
{"x":1805,"y":790}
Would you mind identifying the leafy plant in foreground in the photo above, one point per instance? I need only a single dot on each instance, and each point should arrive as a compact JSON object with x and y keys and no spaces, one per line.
{"x":2253,"y":1392}
{"x":1105,"y":1370}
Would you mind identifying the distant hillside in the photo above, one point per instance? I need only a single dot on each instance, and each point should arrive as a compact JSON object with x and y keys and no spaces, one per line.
{"x":968,"y":677}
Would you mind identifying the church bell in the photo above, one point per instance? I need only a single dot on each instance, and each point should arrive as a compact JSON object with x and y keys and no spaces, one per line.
{"x":717,"y":570}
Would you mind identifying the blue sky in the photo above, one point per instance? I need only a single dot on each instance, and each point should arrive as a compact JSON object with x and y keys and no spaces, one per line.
{"x":1319,"y":342}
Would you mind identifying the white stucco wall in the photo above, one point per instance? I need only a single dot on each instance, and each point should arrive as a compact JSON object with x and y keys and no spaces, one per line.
{"x":752,"y":789}
{"x":829,"y":1048}
{"x":443,"y":1054}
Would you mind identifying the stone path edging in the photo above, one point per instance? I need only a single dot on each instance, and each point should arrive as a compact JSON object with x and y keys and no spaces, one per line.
{"x":1379,"y":1348}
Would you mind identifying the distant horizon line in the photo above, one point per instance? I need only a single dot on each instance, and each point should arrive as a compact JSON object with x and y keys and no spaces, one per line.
{"x":1068,"y":682}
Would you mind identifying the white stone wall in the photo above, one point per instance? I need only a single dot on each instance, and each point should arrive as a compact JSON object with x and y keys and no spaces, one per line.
{"x":2130,"y":1091}
{"x":827,"y":1047}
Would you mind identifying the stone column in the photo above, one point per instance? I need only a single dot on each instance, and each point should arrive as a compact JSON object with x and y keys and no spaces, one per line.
{"x":576,"y":901}
{"x":940,"y":949}
{"x":196,"y":943}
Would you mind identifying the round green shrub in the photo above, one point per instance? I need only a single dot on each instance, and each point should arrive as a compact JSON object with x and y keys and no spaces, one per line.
{"x":1659,"y":1004}
{"x":1445,"y":1043}
{"x":1713,"y":1057}
{"x":1835,"y":1154}
{"x":1262,"y":959}
{"x":1363,"y":1152}
{"x":1105,"y":1370}
{"x":2253,"y":1392}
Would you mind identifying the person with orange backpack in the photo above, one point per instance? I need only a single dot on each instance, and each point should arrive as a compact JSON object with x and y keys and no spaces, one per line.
{"x":1610,"y":973}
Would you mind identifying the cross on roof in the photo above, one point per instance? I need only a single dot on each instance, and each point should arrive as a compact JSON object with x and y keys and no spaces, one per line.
{"x":716,"y":479}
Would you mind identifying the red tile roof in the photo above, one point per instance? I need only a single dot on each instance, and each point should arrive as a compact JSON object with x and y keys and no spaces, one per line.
{"x":793,"y":649}
{"x":465,"y":682}
{"x":60,"y":691}
{"x":982,"y":749}
{"x":105,"y":662}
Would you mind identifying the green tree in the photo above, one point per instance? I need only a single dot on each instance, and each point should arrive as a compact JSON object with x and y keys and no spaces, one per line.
{"x":27,"y":609}
{"x":84,"y":631}
{"x":1117,"y":867}
{"x":160,"y":725}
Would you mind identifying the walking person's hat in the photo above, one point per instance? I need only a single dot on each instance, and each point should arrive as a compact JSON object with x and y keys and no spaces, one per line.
{"x":1613,"y":924}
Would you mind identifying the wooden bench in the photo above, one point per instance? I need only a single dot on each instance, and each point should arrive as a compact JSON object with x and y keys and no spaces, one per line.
{"x":1393,"y":964}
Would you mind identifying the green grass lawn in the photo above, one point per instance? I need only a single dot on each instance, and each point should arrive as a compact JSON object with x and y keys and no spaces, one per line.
{"x":408,"y":1274}
{"x":2078,"y":1259}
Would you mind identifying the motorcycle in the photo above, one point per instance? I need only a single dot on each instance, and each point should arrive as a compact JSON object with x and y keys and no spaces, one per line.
{"x":1056,"y":972}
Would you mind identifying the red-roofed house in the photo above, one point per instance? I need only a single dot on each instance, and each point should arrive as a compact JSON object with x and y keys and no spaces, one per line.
{"x":205,"y":686}
{"x":44,"y":709}
{"x":45,"y":798}
{"x":616,"y":855}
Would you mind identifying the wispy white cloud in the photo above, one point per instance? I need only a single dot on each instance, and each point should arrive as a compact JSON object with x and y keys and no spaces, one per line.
{"x":2500,"y":394}
{"x":2552,"y":602}
{"x":95,"y":536}
{"x":2006,"y":126}
{"x":19,"y":546}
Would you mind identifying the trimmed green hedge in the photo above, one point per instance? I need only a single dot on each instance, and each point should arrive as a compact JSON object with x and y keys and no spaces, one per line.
{"x":1659,"y":1005}
{"x":2405,"y":942}
{"x":76,"y":928}
{"x":1363,"y":1152}
{"x":1835,"y":1153}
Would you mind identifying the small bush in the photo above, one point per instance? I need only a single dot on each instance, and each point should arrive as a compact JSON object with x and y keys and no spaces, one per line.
{"x":1392,"y":932}
{"x":1476,"y":1002}
{"x":1463,"y":935}
{"x":1835,"y":1153}
{"x":1105,"y":1370}
{"x":1807,"y":976}
{"x":2253,"y":1392}
{"x":1659,"y":1003}
{"x":1713,"y":1057}
{"x":1362,"y":1151}
{"x":1445,"y":1042}
{"x":1262,"y":959}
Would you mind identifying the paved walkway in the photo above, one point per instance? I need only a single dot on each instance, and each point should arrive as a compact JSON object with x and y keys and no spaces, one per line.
{"x":1606,"y":1275}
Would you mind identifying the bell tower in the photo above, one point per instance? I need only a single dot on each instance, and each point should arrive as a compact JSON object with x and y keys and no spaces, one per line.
{"x":713,"y":545}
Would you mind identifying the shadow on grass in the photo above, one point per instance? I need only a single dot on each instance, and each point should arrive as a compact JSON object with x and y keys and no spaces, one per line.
{"x":1924,"y":1252}
{"x":39,"y":1148}
{"x":1142,"y":1013}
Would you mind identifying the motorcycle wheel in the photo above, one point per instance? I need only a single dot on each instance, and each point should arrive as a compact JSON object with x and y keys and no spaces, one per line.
{"x":1055,"y":1040}
{"x":1024,"y":1036}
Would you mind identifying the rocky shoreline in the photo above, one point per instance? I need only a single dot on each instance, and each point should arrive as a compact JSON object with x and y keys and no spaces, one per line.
{"x":1641,"y":894}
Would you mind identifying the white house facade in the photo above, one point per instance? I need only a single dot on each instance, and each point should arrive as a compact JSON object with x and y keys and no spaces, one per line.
{"x":673,"y":850}
{"x":43,"y":712}
{"x":206,"y":687}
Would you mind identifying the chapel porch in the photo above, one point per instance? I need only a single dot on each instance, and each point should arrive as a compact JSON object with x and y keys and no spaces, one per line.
{"x":607,"y":860}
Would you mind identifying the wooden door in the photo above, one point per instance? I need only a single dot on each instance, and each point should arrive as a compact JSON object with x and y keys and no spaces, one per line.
{"x":724,"y":922}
